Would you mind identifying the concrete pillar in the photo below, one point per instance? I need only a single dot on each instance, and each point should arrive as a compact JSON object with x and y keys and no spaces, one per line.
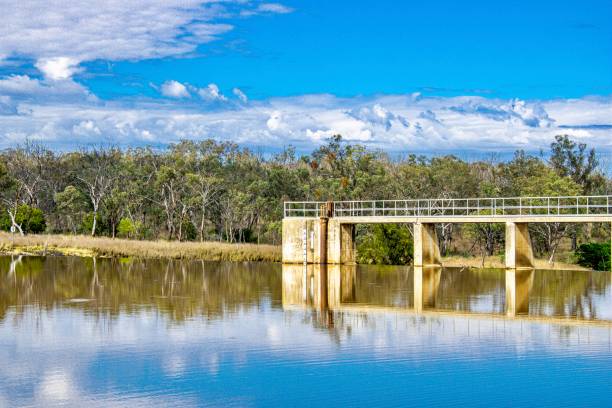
{"x":426,"y":283}
{"x":340,"y":243}
{"x":519,"y":253}
{"x":426,"y":250}
{"x":518,"y":286}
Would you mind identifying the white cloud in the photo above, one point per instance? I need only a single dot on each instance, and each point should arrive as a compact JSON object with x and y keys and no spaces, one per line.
{"x":393,"y":122}
{"x":211,"y":93}
{"x":174,"y":89}
{"x":59,"y":35}
{"x":86,"y":128}
{"x":267,"y":8}
{"x":377,"y":115}
{"x":240,"y":95}
{"x":58,"y":68}
{"x":275,"y":121}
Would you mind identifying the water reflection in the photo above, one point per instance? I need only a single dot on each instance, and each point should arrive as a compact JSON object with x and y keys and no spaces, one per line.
{"x":515,"y":293}
{"x":112,"y":286}
{"x":109,"y":332}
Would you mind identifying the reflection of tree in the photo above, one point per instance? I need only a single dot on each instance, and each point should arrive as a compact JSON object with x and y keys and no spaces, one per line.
{"x":176,"y":288}
{"x":567,"y":293}
{"x":382,"y":286}
{"x":460,"y":288}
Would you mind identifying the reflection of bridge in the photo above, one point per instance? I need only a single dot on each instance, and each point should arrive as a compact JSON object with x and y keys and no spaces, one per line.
{"x":323,"y":232}
{"x":332,"y":288}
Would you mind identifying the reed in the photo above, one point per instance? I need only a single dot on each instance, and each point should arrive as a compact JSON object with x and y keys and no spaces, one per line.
{"x":82,"y":245}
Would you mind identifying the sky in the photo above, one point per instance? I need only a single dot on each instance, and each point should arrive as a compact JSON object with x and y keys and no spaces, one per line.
{"x":430,"y":77}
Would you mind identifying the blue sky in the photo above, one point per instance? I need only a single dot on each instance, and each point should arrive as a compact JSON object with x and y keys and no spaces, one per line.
{"x":395,"y":75}
{"x":525,"y":49}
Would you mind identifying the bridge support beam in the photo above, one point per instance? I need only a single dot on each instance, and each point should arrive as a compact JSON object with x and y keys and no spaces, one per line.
{"x":426,"y":250}
{"x":519,"y":253}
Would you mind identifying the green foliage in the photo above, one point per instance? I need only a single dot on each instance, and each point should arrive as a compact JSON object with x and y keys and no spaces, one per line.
{"x":87,"y":223}
{"x":189,"y":231}
{"x":128,"y":229}
{"x":571,"y":159}
{"x":385,"y":244}
{"x":594,"y":255}
{"x":31,"y":219}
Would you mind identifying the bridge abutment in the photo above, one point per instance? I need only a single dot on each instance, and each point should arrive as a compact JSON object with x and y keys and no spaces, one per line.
{"x":318,"y":241}
{"x":426,"y":250}
{"x":519,"y":253}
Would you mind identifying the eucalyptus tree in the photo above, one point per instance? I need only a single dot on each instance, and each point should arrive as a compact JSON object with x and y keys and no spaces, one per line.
{"x":96,"y":172}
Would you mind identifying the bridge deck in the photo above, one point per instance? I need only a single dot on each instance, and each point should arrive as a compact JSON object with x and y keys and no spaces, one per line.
{"x":464,"y":210}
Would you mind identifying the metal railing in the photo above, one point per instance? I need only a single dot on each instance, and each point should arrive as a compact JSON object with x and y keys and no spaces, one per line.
{"x":458,"y":207}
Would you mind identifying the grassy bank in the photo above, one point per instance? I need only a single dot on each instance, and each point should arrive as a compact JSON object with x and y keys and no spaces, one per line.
{"x":82,"y":245}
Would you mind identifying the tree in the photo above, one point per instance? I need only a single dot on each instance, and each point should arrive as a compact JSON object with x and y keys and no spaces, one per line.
{"x":549,"y":184}
{"x":571,"y":159}
{"x":97,"y":173}
{"x":72,"y":204}
{"x":12,"y":194}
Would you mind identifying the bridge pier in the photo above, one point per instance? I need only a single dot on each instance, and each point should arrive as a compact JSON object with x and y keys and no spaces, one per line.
{"x":519,"y":253}
{"x":426,"y":250}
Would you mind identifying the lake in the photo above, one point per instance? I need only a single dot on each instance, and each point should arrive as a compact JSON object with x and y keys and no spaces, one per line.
{"x":121,"y":332}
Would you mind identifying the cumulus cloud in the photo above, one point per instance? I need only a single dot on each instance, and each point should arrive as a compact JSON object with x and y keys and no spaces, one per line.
{"x":174,"y":89}
{"x":64,"y":34}
{"x":58,"y":68}
{"x":377,"y":115}
{"x":533,"y":115}
{"x":240,"y":95}
{"x":211,"y":93}
{"x":37,"y":109}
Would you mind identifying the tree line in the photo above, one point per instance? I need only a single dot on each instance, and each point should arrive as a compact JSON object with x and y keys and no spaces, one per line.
{"x":208,"y":190}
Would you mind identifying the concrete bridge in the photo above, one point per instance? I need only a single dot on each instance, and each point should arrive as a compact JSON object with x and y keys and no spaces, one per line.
{"x":324,"y":232}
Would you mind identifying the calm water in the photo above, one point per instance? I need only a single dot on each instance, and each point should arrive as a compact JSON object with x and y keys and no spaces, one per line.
{"x":79,"y":332}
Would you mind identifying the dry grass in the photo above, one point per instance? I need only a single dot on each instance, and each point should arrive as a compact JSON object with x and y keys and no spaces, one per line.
{"x":82,"y":245}
{"x":497,"y":262}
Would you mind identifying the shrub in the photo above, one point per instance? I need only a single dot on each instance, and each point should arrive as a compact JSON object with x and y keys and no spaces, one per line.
{"x":87,"y":224}
{"x":126,"y":228}
{"x":31,"y":219}
{"x":385,"y":244}
{"x":594,"y":255}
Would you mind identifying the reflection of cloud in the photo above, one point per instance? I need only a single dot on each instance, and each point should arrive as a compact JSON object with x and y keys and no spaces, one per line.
{"x":56,"y":386}
{"x":58,"y":350}
{"x":174,"y":365}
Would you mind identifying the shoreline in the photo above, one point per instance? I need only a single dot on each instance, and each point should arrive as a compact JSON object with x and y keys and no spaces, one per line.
{"x":86,"y":246}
